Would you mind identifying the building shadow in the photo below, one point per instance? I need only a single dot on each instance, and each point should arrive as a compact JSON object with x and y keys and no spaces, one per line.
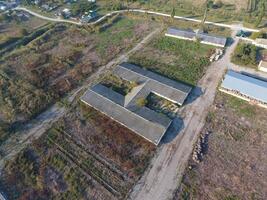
{"x":177,"y":123}
{"x":175,"y":128}
{"x":194,"y":94}
{"x":229,"y":42}
{"x":256,"y":76}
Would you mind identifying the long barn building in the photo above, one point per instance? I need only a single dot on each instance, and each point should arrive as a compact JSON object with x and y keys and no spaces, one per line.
{"x":245,"y":87}
{"x":204,"y":38}
{"x":146,"y":122}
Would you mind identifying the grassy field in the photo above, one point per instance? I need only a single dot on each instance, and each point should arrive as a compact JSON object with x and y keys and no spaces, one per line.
{"x":84,"y":156}
{"x":234,"y":165}
{"x":177,"y":59}
{"x":43,"y":69}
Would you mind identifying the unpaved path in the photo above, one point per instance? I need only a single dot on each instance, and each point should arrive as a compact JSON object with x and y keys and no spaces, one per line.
{"x":35,"y":128}
{"x":231,"y":26}
{"x":45,"y":17}
{"x":162,"y":179}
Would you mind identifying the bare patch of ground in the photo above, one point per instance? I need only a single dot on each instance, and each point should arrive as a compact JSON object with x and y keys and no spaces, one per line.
{"x":234,"y":162}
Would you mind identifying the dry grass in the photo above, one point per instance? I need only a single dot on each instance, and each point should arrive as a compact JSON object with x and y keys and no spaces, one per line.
{"x":86,"y":155}
{"x":235,"y":164}
{"x":39,"y":73}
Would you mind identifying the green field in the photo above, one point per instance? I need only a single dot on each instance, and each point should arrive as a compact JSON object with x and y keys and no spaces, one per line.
{"x":177,"y":59}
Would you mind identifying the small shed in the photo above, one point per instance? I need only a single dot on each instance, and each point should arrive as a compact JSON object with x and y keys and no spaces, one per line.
{"x":263,"y":66}
{"x":261,"y":42}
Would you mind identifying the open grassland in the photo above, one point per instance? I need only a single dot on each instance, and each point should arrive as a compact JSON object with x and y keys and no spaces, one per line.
{"x":85,"y":155}
{"x":48,"y":65}
{"x":180,"y":60}
{"x":234,"y":163}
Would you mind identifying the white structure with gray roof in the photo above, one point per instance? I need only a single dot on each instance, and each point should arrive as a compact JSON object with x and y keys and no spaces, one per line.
{"x":245,"y":87}
{"x":204,"y":38}
{"x":125,"y":109}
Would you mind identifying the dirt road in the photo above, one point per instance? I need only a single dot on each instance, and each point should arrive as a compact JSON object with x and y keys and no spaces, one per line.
{"x":161,"y":180}
{"x":44,"y":121}
{"x":231,"y":26}
{"x":47,"y":18}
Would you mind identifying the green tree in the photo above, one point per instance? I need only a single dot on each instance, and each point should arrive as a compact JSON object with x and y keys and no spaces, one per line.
{"x":173,"y":12}
{"x":206,"y":5}
{"x":261,"y":13}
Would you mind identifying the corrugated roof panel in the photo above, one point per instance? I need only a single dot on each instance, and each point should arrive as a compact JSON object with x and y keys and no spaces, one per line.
{"x":246,"y":85}
{"x":182,"y":33}
{"x":204,"y":37}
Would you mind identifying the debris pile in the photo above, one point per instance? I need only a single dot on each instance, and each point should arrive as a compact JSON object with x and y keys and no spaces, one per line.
{"x":201,"y":147}
{"x":216,"y":56}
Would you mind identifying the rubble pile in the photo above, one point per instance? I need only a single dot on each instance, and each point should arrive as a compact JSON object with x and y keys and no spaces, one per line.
{"x":201,"y":147}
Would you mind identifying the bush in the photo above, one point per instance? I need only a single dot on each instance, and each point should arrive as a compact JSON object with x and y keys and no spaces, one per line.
{"x":260,"y":34}
{"x":245,"y":54}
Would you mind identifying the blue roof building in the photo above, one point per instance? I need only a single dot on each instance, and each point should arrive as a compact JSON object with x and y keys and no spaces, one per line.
{"x":245,"y":87}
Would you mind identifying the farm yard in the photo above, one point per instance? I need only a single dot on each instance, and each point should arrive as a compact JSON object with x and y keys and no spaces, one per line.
{"x":85,"y":155}
{"x":233,"y":165}
{"x":177,"y":59}
{"x":62,"y":56}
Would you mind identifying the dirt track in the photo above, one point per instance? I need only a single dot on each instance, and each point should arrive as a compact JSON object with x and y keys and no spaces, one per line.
{"x":160,"y":182}
{"x":231,"y":26}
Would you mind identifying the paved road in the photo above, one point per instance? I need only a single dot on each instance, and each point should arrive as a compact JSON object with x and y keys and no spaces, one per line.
{"x":44,"y":121}
{"x":231,"y":26}
{"x":162,"y":179}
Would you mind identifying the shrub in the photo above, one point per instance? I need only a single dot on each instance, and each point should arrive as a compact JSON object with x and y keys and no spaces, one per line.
{"x":245,"y":54}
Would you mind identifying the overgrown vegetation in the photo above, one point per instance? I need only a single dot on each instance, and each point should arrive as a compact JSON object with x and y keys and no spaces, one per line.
{"x":177,"y":59}
{"x":161,"y":105}
{"x":118,"y":84}
{"x":245,"y":55}
{"x":85,"y":155}
{"x":44,"y":67}
{"x":260,"y":34}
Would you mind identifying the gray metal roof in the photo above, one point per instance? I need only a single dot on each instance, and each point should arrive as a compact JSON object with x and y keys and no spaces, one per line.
{"x":190,"y":34}
{"x":125,"y":109}
{"x":167,"y":88}
{"x":212,"y":39}
{"x":246,"y":85}
{"x":204,"y":38}
{"x":151,"y":126}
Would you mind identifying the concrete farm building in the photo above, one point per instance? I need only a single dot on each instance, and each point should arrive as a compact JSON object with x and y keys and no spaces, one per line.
{"x":146,"y":122}
{"x":245,"y":87}
{"x":204,"y":38}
